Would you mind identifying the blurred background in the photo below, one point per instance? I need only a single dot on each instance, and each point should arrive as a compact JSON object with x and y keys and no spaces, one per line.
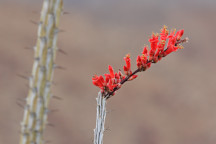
{"x":174,"y":102}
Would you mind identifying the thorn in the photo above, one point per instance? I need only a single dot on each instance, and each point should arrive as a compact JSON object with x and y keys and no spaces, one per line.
{"x":51,"y":125}
{"x":33,"y":114}
{"x":61,"y":30}
{"x":43,"y":39}
{"x":24,"y":126}
{"x":62,"y":51}
{"x":37,"y":58}
{"x":42,"y":68}
{"x":27,"y":72}
{"x":22,"y":76}
{"x":20,"y":105}
{"x":25,"y":134}
{"x":34,"y":22}
{"x":65,"y":13}
{"x":21,"y":99}
{"x":48,"y":84}
{"x":57,"y":98}
{"x":59,"y":67}
{"x":54,"y":110}
{"x":27,"y":107}
{"x":34,"y":90}
{"x":107,"y":129}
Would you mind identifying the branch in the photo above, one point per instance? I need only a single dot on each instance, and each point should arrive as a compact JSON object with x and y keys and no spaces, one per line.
{"x":100,"y":119}
{"x":108,"y":95}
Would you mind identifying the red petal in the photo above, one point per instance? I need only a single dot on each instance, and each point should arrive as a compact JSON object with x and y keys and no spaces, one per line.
{"x":144,"y":60}
{"x":95,"y":83}
{"x":107,"y":77}
{"x":111,"y":71}
{"x":170,"y":49}
{"x":148,"y":65}
{"x":134,"y":76}
{"x":127,"y":61}
{"x":139,"y":63}
{"x":153,"y":41}
{"x":117,"y":76}
{"x":179,"y":34}
{"x":125,"y":68}
{"x":145,"y":51}
{"x":95,"y":77}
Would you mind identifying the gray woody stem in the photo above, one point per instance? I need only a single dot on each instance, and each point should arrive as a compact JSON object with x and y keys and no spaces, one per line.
{"x":36,"y":109}
{"x":100,"y":119}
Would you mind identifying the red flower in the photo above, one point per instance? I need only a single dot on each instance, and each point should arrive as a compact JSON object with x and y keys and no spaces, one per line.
{"x":145,"y":51}
{"x":133,"y":77}
{"x":164,"y":33}
{"x":111,"y":81}
{"x":107,"y":78}
{"x":127,"y":68}
{"x":98,"y":81}
{"x":153,"y":41}
{"x":142,"y":60}
{"x":111,"y":86}
{"x":172,"y":48}
{"x":139,"y":62}
{"x":111,"y":71}
{"x":172,"y":38}
{"x":121,"y":75}
{"x":179,"y":34}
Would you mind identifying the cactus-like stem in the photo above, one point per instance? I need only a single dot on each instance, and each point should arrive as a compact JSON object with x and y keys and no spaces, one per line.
{"x":100,"y":119}
{"x":36,"y":109}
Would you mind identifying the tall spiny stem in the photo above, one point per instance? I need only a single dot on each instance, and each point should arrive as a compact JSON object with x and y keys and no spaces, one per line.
{"x":36,"y":109}
{"x":100,"y":119}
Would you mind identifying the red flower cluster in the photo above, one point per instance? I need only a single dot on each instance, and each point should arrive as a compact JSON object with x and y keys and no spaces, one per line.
{"x":113,"y":81}
{"x":157,"y":50}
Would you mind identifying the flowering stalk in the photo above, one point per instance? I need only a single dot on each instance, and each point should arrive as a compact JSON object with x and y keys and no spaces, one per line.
{"x":36,"y":109}
{"x":114,"y":81}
